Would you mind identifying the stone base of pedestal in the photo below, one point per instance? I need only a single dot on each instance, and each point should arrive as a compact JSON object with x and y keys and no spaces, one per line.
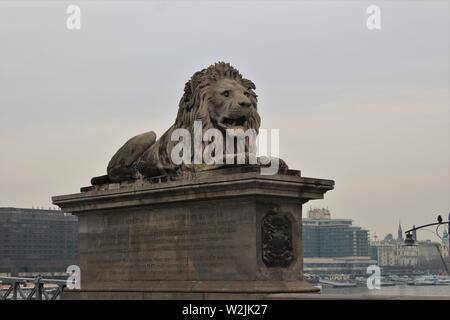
{"x":195,"y":290}
{"x":228,"y":233}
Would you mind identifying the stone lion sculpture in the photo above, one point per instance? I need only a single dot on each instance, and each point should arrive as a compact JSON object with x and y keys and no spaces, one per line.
{"x":218,"y":96}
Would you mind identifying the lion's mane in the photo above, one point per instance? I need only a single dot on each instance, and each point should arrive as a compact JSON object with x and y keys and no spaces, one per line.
{"x":193,"y":105}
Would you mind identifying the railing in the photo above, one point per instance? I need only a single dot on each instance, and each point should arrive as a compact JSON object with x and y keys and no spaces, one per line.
{"x":16,"y":289}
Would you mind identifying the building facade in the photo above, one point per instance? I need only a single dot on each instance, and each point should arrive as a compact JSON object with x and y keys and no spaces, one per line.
{"x":408,"y":256}
{"x":386,"y":254}
{"x":424,"y":256}
{"x":36,"y":241}
{"x":325,"y":237}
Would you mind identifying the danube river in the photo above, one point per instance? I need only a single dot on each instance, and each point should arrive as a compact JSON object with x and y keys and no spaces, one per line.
{"x":442,"y":291}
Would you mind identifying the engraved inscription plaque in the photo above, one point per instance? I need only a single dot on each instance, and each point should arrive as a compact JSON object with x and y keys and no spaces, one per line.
{"x":189,"y":242}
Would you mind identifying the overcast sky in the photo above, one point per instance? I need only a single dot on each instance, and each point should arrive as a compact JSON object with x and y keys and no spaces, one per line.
{"x":368,"y":109}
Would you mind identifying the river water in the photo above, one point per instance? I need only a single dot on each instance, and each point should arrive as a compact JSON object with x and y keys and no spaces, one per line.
{"x":399,"y":290}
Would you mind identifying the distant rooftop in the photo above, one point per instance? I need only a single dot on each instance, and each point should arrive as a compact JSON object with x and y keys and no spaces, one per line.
{"x":322,"y":217}
{"x":30,"y":210}
{"x":319,"y":213}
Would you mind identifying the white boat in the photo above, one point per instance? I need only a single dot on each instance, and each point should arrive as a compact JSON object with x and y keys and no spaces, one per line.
{"x":431,"y":281}
{"x":338,"y":284}
{"x":399,"y":279}
{"x":443,"y":280}
{"x":344,"y":285}
{"x":387,"y":284}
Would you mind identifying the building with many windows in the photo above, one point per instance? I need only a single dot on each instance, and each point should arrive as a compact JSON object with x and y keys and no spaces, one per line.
{"x":393,"y":255}
{"x":36,"y":241}
{"x":326,"y":237}
{"x":334,"y":247}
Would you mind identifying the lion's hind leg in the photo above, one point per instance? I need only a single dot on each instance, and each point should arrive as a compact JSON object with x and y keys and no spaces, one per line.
{"x":123,"y":164}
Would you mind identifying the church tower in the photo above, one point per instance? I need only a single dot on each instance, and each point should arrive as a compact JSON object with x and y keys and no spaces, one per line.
{"x":445,"y":237}
{"x":400,"y":232}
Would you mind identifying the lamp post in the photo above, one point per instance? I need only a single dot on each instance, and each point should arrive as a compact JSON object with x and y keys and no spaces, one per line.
{"x":409,"y":240}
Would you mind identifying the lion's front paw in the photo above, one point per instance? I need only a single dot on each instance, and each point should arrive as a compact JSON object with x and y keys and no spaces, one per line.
{"x":267,"y":161}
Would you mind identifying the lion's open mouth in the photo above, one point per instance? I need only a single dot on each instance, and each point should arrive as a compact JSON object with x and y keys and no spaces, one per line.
{"x":232,"y":123}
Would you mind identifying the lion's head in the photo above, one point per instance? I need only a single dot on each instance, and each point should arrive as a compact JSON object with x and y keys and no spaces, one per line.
{"x":219,"y":97}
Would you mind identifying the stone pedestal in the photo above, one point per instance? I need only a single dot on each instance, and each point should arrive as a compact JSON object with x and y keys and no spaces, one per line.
{"x":226,"y":233}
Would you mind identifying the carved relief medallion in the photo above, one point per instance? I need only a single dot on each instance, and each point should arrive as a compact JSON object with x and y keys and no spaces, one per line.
{"x":277,"y":247}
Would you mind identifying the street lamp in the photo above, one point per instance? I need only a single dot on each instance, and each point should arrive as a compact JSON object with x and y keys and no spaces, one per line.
{"x":410,"y":241}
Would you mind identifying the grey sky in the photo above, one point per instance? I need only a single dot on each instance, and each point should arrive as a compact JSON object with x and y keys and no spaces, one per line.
{"x":369,"y":109}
